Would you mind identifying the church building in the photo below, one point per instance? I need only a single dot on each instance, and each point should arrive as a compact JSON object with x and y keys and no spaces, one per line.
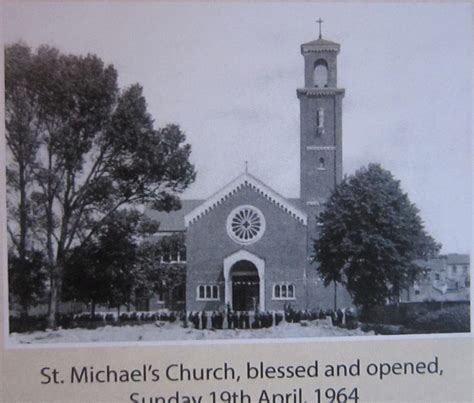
{"x":249,"y":247}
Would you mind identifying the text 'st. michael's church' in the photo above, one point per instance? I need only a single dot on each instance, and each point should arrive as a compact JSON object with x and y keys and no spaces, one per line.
{"x":247,"y":246}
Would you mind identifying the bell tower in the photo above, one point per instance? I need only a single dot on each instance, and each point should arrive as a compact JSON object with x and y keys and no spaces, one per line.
{"x":320,"y":124}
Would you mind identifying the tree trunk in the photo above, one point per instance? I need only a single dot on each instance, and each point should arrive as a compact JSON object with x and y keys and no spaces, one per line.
{"x":55,"y":295}
{"x":53,"y":306}
{"x":335,"y":296}
{"x":23,"y":212}
{"x":92,"y":309}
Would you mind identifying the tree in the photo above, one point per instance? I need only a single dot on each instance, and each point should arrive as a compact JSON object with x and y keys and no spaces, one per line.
{"x":157,"y":269}
{"x":26,"y":272}
{"x":102,"y":270}
{"x":91,"y":150}
{"x":371,"y":235}
{"x":26,"y":279}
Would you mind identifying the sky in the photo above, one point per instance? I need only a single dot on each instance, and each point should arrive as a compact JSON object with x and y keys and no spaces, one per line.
{"x":227,"y":73}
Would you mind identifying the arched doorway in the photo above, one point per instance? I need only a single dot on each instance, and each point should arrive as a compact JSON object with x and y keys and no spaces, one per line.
{"x":245,"y":286}
{"x":244,"y":267}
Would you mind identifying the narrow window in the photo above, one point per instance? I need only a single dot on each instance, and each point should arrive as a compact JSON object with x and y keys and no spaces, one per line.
{"x":290,"y":291}
{"x":320,"y":118}
{"x":201,"y":292}
{"x":277,"y":291}
{"x":321,"y":163}
{"x":215,"y":292}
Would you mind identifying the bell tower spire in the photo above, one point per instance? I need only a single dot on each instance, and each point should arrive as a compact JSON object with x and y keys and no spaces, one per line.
{"x":320,"y":123}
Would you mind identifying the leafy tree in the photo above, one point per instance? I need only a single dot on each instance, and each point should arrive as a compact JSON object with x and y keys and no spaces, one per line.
{"x":102,"y":271}
{"x":371,"y":235}
{"x":157,"y":269}
{"x":26,"y":271}
{"x":88,"y":149}
{"x":26,"y":279}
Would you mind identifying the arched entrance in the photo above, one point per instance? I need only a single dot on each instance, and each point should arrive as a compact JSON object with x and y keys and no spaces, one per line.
{"x":244,"y":275}
{"x":245,"y":286}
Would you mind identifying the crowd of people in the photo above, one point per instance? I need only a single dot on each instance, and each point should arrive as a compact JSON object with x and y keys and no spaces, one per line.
{"x":257,"y":320}
{"x":234,"y":320}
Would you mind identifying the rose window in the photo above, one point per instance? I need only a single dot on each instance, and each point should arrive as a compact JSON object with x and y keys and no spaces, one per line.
{"x":245,"y":224}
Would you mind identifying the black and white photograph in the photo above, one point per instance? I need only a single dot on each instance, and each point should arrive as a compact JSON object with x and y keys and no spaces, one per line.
{"x":236,"y":171}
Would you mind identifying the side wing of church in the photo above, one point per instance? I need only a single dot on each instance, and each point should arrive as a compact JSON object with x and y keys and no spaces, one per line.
{"x":248,"y":247}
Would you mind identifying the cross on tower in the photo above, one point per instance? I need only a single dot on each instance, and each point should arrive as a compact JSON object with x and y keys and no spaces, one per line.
{"x":320,"y":21}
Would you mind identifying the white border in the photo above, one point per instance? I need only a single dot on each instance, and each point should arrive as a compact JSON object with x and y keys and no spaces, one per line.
{"x":8,"y":345}
{"x":334,"y":339}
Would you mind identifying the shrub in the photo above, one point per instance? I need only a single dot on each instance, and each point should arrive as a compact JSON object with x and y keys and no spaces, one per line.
{"x":450,"y":319}
{"x":426,"y":317}
{"x":27,"y":323}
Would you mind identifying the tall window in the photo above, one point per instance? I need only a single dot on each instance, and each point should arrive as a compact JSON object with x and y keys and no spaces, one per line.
{"x":320,"y":121}
{"x":320,"y":74}
{"x":322,"y":164}
{"x":283,"y":291}
{"x":207,"y":292}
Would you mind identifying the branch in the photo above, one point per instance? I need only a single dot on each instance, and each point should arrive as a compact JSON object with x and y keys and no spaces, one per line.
{"x":12,"y":236}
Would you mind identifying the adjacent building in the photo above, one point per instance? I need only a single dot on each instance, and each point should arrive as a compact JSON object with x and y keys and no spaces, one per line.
{"x":445,"y":278}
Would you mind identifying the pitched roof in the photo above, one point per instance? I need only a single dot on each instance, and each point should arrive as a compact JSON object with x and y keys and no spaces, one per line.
{"x":457,"y":258}
{"x":174,"y":220}
{"x":321,"y":45}
{"x":246,"y":180}
{"x":320,"y":42}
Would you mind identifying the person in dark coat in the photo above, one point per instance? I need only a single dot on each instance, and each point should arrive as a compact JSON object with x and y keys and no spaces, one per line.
{"x":278,"y":318}
{"x":340,"y":317}
{"x":297,"y":317}
{"x":241,"y":320}
{"x":229,"y":319}
{"x":213,"y":320}
{"x":204,"y":320}
{"x":220,"y":320}
{"x":270,"y":319}
{"x":194,"y":319}
{"x":256,"y":321}
{"x":351,"y":322}
{"x":246,"y":320}
{"x":334,"y":318}
{"x":235,"y":320}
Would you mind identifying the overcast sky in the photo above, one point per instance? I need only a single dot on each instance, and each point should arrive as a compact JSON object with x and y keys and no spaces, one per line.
{"x":228,"y":73}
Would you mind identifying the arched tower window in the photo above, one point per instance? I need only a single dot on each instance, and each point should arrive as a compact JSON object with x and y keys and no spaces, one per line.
{"x":320,"y":74}
{"x":321,"y":163}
